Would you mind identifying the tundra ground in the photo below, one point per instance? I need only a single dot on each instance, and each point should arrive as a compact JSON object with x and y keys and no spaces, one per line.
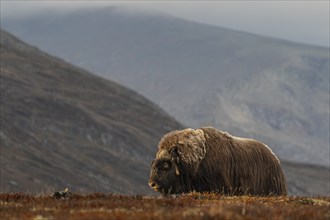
{"x":189,"y":206}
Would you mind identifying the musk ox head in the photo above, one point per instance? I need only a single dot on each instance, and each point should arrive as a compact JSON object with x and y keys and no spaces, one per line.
{"x":179,"y":153}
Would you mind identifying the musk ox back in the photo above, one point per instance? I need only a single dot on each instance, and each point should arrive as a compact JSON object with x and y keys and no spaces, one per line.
{"x":209,"y":160}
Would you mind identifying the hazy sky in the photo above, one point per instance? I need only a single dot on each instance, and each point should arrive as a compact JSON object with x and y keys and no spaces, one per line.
{"x":300,"y":21}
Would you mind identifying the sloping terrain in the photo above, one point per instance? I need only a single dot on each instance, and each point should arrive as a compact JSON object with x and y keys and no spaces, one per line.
{"x":306,"y":179}
{"x":63,"y":127}
{"x":272,"y":90}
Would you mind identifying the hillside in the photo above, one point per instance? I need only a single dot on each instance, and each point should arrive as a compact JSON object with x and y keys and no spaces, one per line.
{"x":63,"y":127}
{"x":252,"y":86}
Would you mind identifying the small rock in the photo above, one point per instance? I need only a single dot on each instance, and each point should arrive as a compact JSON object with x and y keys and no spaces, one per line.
{"x":61,"y":194}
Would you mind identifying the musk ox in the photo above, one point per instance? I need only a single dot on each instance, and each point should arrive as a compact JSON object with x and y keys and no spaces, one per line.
{"x":209,"y":160}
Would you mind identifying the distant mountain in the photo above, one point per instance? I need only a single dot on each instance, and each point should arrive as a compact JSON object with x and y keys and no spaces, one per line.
{"x":252,"y":86}
{"x":63,"y":127}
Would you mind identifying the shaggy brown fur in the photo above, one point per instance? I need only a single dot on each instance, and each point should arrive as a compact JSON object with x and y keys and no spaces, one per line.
{"x":207,"y":159}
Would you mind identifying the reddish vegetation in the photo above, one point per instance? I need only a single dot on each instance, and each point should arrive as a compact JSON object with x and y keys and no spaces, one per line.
{"x":189,"y":206}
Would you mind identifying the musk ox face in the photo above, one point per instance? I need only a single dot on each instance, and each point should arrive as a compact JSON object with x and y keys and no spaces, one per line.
{"x":162,"y":176}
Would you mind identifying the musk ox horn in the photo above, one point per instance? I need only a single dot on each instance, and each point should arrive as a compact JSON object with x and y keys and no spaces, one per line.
{"x":177,"y":172}
{"x":175,"y":159}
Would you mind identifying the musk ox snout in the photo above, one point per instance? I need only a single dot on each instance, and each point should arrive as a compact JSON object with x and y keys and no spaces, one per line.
{"x":153,"y":185}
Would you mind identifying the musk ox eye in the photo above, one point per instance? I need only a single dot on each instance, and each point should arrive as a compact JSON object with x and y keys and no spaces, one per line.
{"x":166,"y":165}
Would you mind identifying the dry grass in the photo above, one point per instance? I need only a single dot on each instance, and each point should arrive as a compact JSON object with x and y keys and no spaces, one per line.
{"x":190,"y":206}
